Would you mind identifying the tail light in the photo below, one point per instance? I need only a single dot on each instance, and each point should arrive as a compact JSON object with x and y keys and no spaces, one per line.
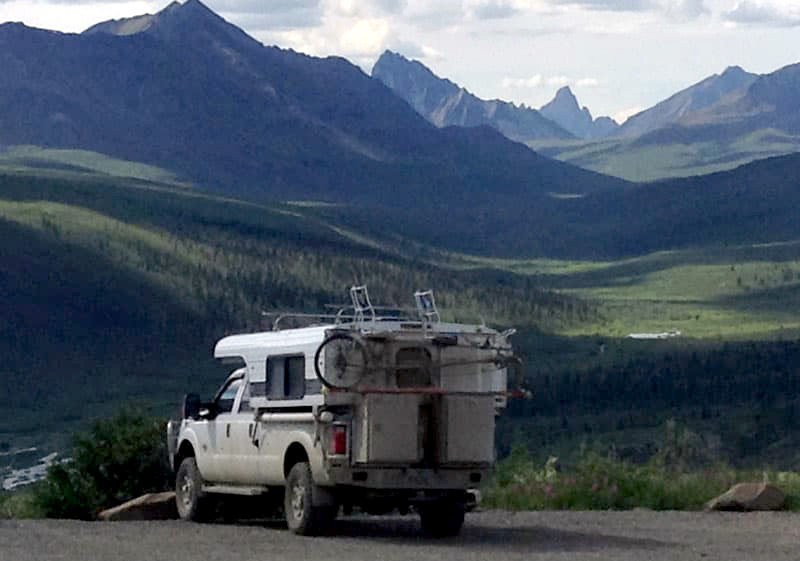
{"x":338,"y":443}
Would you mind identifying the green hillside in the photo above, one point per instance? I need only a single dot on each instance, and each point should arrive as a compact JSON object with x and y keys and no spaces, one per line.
{"x":663,"y":156}
{"x":114,"y":289}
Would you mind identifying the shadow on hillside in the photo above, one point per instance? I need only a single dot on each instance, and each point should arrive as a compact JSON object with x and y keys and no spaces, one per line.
{"x":780,"y":299}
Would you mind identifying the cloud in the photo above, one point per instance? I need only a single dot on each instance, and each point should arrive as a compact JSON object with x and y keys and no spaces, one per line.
{"x":261,"y":15}
{"x":391,"y":6}
{"x":587,"y":83}
{"x":534,"y":81}
{"x":557,"y":81}
{"x":686,"y":9}
{"x":412,"y":50}
{"x":365,"y":8}
{"x":675,"y":9}
{"x":765,"y":13}
{"x":365,"y":38}
{"x":623,"y":114}
{"x":493,"y":9}
{"x":613,"y":5}
{"x":440,"y":14}
{"x":539,"y":81}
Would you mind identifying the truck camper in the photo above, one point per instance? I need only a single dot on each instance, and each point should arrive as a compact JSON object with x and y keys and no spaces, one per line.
{"x":375,"y":409}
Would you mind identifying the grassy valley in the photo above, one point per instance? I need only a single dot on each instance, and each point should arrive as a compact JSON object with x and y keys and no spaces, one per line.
{"x":658,"y":156}
{"x":114,"y":289}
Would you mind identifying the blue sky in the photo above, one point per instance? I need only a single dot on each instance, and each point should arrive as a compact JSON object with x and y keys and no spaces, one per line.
{"x":618,"y":56}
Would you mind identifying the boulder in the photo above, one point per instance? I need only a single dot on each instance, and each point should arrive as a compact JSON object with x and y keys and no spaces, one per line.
{"x":749,"y":496}
{"x":152,"y":506}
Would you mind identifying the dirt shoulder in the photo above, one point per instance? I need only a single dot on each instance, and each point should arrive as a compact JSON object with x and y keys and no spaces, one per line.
{"x":496,"y":535}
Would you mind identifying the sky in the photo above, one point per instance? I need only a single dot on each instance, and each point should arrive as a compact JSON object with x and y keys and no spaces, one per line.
{"x":617,"y":56}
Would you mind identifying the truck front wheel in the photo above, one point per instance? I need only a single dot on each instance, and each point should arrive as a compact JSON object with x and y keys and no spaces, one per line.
{"x":302,"y":515}
{"x":442,"y":518}
{"x":189,"y":497}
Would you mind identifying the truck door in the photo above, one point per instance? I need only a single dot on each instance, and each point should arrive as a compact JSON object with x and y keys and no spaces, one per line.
{"x":220,"y":444}
{"x":243,"y":441}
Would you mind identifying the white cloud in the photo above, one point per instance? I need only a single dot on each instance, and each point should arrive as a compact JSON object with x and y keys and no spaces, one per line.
{"x":623,"y":114}
{"x":534,"y":81}
{"x":557,"y":81}
{"x":258,"y":15}
{"x":612,"y":5}
{"x":412,"y":50}
{"x":492,"y":9}
{"x":766,"y":13}
{"x":686,"y":9}
{"x":72,"y":17}
{"x":587,"y":83}
{"x":539,"y":81}
{"x":683,"y":10}
{"x":365,"y":37}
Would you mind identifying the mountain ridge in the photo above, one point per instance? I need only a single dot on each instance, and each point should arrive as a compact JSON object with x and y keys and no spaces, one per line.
{"x":701,"y":95}
{"x":445,"y":103}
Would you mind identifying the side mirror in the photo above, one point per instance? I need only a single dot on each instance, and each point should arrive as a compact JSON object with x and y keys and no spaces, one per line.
{"x":191,"y":406}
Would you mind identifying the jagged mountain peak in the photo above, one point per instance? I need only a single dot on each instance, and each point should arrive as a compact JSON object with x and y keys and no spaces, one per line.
{"x":565,"y":110}
{"x":564,"y":93}
{"x":734,"y":69}
{"x":191,"y":15}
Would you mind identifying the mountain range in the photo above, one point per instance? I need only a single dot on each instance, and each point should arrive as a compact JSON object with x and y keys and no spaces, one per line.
{"x":185,"y":90}
{"x":444,"y":103}
{"x":722,"y":121}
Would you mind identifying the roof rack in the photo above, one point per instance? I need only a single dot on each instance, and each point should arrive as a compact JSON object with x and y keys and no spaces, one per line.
{"x":362,"y":310}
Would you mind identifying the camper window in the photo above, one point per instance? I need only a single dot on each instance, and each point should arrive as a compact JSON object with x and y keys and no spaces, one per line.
{"x":286,"y":377}
{"x":414,"y":367}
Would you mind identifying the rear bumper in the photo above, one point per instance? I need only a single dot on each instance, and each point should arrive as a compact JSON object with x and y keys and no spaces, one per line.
{"x":397,"y":478}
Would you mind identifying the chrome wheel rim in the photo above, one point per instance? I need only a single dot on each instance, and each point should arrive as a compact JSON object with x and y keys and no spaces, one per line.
{"x":185,"y":490}
{"x":298,"y":501}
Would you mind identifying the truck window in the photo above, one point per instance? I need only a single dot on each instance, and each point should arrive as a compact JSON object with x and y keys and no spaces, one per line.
{"x":244,"y":401}
{"x":228,"y":396}
{"x":286,"y":377}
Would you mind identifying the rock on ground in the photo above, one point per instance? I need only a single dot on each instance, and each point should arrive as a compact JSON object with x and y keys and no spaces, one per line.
{"x":153,"y":506}
{"x":749,"y":496}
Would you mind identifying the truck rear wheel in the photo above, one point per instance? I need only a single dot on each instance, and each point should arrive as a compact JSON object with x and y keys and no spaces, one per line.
{"x":189,"y":498}
{"x":442,"y":518}
{"x":302,"y":515}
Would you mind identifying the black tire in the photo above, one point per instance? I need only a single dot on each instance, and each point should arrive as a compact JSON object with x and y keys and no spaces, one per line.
{"x":442,"y":518}
{"x":189,"y":497}
{"x":302,"y":515}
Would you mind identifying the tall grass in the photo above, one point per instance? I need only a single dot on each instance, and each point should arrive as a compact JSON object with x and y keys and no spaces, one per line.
{"x":603,"y":483}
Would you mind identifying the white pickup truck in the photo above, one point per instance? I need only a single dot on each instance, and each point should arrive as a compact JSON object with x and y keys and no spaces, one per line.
{"x":378,"y":413}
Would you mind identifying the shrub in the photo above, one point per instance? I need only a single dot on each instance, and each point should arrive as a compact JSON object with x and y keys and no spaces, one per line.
{"x":18,"y":504}
{"x":119,"y":458}
{"x":605,"y":483}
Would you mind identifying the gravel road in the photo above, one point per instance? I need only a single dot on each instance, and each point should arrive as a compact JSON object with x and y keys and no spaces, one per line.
{"x":495,"y":535}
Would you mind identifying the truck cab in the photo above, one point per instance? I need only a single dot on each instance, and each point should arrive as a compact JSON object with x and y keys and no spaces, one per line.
{"x":378,"y":412}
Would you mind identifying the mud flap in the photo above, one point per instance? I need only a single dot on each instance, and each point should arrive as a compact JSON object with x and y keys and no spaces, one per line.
{"x":323,"y":496}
